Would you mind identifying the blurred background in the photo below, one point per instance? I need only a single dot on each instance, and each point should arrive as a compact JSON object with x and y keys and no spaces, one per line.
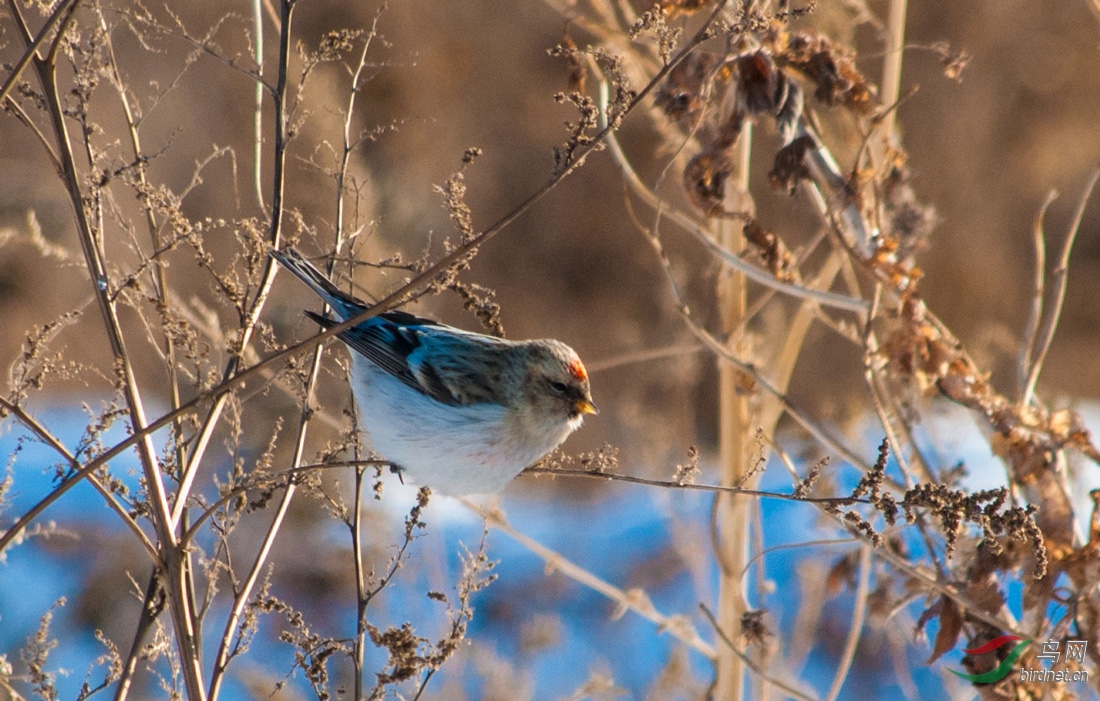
{"x":984,"y":150}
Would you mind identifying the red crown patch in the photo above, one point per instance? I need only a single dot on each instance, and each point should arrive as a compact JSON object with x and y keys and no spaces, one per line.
{"x":576,"y":369}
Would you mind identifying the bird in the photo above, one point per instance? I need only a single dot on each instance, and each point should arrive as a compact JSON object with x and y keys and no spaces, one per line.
{"x":460,"y":412}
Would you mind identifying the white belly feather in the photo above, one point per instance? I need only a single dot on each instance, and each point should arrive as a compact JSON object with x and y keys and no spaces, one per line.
{"x":454,"y":450}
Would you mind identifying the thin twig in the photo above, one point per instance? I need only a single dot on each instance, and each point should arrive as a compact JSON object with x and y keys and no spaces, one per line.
{"x":59,"y":14}
{"x":152,"y":605}
{"x":241,"y":594}
{"x":360,"y":580}
{"x":830,"y":299}
{"x":762,"y":552}
{"x":22,"y":116}
{"x":176,"y":571}
{"x":725,"y":354}
{"x":892,"y":61}
{"x":859,"y":612}
{"x":258,"y":104}
{"x":643,"y":356}
{"x":1060,"y":279}
{"x":678,"y":627}
{"x":248,"y":326}
{"x":687,"y":486}
{"x":793,"y":692}
{"x":53,"y":442}
{"x":158,"y":274}
{"x":1027,"y":347}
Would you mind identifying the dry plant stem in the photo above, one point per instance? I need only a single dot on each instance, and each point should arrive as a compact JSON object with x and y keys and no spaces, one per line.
{"x":150,"y":610}
{"x":351,"y":144}
{"x":727,"y":642}
{"x":49,"y":439}
{"x":272,"y":14}
{"x":762,"y":553}
{"x":678,"y":627}
{"x":348,"y":147}
{"x":763,"y":277}
{"x":689,"y":486}
{"x":891,"y":69}
{"x":897,"y":430}
{"x":643,"y":356}
{"x":171,"y":560}
{"x":716,"y":346}
{"x":360,"y":581}
{"x":158,"y":273}
{"x":43,"y":140}
{"x":258,"y":104}
{"x":388,"y":302}
{"x":880,"y":397}
{"x":859,"y":611}
{"x":732,"y":526}
{"x":885,"y":408}
{"x":30,"y":51}
{"x":934,"y":583}
{"x":93,"y":256}
{"x":797,"y":328}
{"x":1038,"y":293}
{"x":299,"y":447}
{"x":1060,"y":283}
{"x":756,"y":527}
{"x":242,"y":594}
{"x":274,"y":236}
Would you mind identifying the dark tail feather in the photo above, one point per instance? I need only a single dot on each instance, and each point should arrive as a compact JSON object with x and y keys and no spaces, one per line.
{"x":345,"y":304}
{"x":325,"y":322}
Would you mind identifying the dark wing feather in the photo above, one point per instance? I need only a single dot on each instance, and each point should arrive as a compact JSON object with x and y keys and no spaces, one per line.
{"x":389,"y":344}
{"x":432,"y":383}
{"x":401,"y":318}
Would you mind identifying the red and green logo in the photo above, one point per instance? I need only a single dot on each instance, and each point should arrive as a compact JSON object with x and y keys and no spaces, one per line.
{"x":1000,"y":671}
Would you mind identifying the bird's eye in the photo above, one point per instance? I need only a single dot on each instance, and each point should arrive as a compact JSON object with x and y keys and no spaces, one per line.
{"x":557,"y":386}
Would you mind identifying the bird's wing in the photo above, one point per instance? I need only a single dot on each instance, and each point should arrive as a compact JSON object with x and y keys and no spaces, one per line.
{"x":440,"y":361}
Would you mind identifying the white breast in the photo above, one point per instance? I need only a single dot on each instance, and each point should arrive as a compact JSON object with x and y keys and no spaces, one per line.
{"x":453,"y":450}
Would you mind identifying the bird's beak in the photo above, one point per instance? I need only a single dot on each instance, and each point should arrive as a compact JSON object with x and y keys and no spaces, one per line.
{"x":585,"y":406}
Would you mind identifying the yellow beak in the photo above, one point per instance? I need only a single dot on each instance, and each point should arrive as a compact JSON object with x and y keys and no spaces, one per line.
{"x":585,"y":406}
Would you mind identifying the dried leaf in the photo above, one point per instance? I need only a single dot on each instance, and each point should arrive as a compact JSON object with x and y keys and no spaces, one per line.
{"x":950,"y":627}
{"x":842,"y":573}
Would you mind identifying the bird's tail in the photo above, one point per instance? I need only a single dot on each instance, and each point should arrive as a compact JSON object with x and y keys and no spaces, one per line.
{"x":345,"y":304}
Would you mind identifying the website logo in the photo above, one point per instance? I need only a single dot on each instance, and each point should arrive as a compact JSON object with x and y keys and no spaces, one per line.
{"x":1074,"y":651}
{"x":1000,"y":671}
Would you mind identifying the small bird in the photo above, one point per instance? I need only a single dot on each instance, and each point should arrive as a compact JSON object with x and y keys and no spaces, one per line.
{"x":457,"y":411}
